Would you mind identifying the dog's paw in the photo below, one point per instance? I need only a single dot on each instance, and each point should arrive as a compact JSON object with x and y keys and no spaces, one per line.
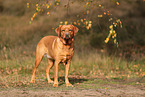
{"x":55,"y":85}
{"x":50,"y":81}
{"x":69,"y":85}
{"x":32,"y":81}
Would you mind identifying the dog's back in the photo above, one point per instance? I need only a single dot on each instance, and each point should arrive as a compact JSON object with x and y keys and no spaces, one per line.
{"x":45,"y":46}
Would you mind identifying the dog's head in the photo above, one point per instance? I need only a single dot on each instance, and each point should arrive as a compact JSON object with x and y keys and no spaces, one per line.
{"x":66,"y":33}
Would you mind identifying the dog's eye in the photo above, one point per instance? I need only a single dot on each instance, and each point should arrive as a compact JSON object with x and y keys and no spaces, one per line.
{"x":70,"y":30}
{"x":63,"y":30}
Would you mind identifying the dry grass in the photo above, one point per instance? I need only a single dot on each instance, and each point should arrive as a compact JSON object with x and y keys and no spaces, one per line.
{"x":17,"y":72}
{"x":18,"y":40}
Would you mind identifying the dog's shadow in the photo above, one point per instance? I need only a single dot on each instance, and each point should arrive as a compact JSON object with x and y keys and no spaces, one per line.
{"x":72,"y":80}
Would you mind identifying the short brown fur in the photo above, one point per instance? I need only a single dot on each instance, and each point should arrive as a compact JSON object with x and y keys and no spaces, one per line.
{"x":58,"y":50}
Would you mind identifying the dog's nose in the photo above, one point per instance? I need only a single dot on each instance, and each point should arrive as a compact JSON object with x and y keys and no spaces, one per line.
{"x":67,"y":36}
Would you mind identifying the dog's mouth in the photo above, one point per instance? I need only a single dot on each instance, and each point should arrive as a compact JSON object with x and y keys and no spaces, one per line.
{"x":66,"y":40}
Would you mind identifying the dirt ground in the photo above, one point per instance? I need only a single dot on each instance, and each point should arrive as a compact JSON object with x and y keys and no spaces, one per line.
{"x":111,"y":90}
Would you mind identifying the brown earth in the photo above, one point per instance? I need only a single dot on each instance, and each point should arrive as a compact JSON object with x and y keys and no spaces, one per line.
{"x":111,"y":90}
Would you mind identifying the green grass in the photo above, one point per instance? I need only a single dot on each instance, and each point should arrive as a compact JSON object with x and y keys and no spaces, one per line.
{"x":18,"y":40}
{"x":17,"y":71}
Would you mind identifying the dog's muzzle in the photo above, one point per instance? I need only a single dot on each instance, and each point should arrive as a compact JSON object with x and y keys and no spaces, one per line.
{"x":67,"y":36}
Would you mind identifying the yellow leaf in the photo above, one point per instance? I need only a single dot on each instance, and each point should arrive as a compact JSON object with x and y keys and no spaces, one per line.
{"x":117,"y":44}
{"x":75,"y":23}
{"x":86,"y":22}
{"x":77,"y":20}
{"x":87,"y":11}
{"x":117,"y":3}
{"x":32,"y":19}
{"x":27,"y":5}
{"x":48,"y":6}
{"x":114,"y":40}
{"x":107,"y":39}
{"x":79,"y":24}
{"x":110,"y":31}
{"x":100,"y":16}
{"x":34,"y":15}
{"x":87,"y":27}
{"x":65,"y":22}
{"x":47,"y":13}
{"x":90,"y":25}
{"x":110,"y":19}
{"x":36,"y":4}
{"x":111,"y":26}
{"x":81,"y":20}
{"x":113,"y":37}
{"x":90,"y":22}
{"x":61,"y":22}
{"x":87,"y":3}
{"x":57,"y":3}
{"x":104,"y":13}
{"x":100,"y":5}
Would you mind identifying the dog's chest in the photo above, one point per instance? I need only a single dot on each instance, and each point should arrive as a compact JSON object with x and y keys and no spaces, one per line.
{"x":66,"y":54}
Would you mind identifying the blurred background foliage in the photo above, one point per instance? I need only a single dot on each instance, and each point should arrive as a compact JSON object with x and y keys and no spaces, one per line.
{"x":20,"y":37}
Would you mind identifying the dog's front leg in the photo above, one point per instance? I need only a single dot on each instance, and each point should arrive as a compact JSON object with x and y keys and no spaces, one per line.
{"x":66,"y":74}
{"x":56,"y":73}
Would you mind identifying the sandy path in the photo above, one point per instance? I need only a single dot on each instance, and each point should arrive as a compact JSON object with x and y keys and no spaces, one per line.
{"x":111,"y":90}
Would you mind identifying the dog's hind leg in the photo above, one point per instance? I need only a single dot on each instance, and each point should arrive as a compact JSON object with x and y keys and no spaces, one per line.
{"x":39,"y":56}
{"x":50,"y":64}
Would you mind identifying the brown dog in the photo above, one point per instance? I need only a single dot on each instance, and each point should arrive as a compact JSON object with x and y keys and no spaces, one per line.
{"x":57,"y":49}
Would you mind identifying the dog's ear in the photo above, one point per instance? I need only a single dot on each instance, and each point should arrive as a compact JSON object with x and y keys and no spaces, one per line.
{"x":58,"y":30}
{"x":75,"y":29}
